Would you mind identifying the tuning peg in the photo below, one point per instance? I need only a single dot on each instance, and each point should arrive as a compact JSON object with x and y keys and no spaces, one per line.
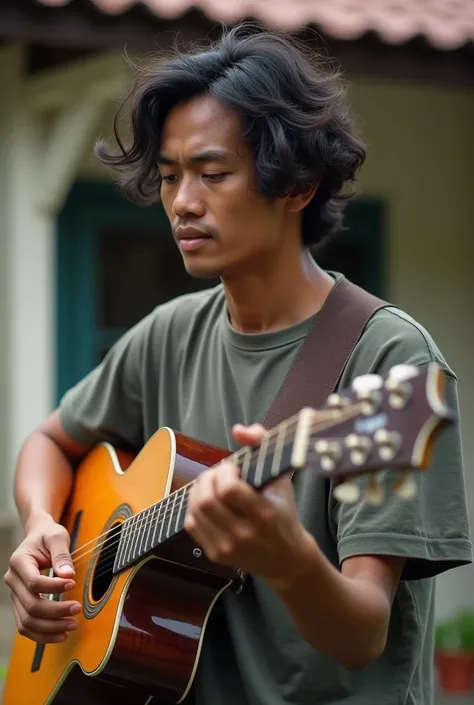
{"x":329,"y":452}
{"x":374,"y":492}
{"x":366,"y":383}
{"x":359,"y":446}
{"x":389,"y":443}
{"x":336,"y":401}
{"x":399,"y":392}
{"x":401,"y":373}
{"x":405,"y":486}
{"x":397,"y":384}
{"x":367,"y":389}
{"x":347,"y":492}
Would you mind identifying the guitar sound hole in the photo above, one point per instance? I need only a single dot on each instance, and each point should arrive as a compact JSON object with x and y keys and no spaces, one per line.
{"x":103,"y":575}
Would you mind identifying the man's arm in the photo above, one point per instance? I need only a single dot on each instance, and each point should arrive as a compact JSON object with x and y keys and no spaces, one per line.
{"x":346,"y":614}
{"x":44,"y":471}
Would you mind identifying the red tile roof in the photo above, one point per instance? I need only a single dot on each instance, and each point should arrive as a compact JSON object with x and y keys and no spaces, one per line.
{"x":447,"y":24}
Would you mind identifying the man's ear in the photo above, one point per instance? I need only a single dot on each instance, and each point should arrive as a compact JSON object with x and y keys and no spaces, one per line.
{"x":298,"y":200}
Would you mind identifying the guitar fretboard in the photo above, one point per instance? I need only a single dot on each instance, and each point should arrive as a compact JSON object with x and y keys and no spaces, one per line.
{"x":144,"y":532}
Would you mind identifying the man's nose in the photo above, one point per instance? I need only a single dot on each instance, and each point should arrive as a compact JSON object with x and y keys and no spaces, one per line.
{"x":188,"y":200}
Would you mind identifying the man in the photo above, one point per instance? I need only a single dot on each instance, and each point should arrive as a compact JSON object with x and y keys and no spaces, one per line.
{"x":250,"y":146}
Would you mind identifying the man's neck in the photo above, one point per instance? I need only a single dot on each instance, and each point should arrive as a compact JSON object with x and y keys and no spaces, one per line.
{"x":277,"y":295}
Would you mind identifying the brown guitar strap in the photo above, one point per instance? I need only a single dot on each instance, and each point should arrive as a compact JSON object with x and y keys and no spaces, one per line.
{"x":325,"y":351}
{"x":323,"y":356}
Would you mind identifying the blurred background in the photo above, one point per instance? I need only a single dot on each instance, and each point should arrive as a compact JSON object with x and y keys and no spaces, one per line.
{"x":79,"y":264}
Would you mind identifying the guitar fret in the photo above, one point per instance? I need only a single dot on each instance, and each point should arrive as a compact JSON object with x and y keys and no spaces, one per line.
{"x":140,"y":533}
{"x":144,"y":529}
{"x":130,"y":538}
{"x":246,"y":463}
{"x":156,"y":528}
{"x":262,"y":456}
{"x":155,"y":525}
{"x":120,"y":558}
{"x":149,"y":533}
{"x":164,"y":518}
{"x":180,"y":507}
{"x":252,"y":468}
{"x":270,"y":472}
{"x":136,"y":535}
{"x":170,"y":516}
{"x":151,"y":524}
{"x":278,"y":450}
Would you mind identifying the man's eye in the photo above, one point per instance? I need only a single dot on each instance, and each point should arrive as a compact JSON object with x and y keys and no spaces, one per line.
{"x":169,"y":178}
{"x":215,"y":178}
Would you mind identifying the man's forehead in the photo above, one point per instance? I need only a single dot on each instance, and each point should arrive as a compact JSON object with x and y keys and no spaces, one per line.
{"x":212,"y":154}
{"x":199,"y":125}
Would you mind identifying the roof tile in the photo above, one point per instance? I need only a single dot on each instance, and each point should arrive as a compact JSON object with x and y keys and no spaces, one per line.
{"x":447,"y":24}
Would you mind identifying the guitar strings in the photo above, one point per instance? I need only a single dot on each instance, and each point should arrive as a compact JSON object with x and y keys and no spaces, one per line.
{"x":234,"y":456}
{"x":154,"y":515}
{"x":340,"y":418}
{"x":107,"y":563}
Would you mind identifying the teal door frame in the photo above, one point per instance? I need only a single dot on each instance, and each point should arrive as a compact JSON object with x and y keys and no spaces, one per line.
{"x":89,"y":206}
{"x":93,"y":204}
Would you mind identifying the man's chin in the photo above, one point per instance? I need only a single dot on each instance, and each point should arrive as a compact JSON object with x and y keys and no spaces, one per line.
{"x":202,"y":270}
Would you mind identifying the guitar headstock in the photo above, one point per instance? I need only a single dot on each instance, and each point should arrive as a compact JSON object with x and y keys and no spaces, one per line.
{"x":380,"y":423}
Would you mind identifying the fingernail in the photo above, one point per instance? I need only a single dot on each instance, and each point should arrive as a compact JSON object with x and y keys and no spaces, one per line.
{"x":75,"y":609}
{"x":61,"y":637}
{"x":69,"y":585}
{"x":66,"y":567}
{"x":70,"y":626}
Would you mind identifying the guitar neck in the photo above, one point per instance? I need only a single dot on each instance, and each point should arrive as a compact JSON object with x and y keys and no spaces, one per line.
{"x":280,"y":451}
{"x":378,"y":424}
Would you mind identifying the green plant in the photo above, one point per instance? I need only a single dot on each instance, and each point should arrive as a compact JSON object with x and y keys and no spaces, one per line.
{"x":465,"y":622}
{"x":456,"y":634}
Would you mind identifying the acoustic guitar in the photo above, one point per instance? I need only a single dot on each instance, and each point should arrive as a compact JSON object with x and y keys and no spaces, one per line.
{"x":147,"y":589}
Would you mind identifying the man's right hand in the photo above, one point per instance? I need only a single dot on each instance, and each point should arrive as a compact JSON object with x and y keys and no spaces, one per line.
{"x":46,"y":545}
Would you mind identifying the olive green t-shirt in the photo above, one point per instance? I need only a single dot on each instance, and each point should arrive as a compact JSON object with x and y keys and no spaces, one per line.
{"x":185,"y":367}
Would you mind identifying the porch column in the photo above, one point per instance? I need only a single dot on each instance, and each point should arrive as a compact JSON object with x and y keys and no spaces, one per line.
{"x":46,"y":123}
{"x":27,"y":273}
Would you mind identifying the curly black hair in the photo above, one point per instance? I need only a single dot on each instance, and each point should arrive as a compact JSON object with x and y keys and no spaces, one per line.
{"x":292,"y":102}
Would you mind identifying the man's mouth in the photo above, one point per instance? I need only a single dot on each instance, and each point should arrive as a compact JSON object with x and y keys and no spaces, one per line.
{"x":191,"y":238}
{"x":187,"y":244}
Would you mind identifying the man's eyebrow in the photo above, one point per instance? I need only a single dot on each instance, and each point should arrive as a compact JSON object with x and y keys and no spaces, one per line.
{"x":209,"y":155}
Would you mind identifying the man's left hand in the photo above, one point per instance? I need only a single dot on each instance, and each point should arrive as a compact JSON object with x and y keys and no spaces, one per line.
{"x":234,"y":524}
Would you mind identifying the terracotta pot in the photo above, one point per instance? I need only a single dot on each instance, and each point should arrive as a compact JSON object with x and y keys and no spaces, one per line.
{"x":455,"y":671}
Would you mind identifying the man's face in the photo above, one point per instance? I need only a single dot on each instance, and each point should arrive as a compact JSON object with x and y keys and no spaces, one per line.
{"x":220,"y":222}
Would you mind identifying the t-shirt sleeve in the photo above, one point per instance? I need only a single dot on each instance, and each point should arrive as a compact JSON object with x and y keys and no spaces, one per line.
{"x":432,"y":530}
{"x":106,"y":405}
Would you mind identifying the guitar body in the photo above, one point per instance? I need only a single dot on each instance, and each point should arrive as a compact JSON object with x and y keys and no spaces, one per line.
{"x":140,"y":632}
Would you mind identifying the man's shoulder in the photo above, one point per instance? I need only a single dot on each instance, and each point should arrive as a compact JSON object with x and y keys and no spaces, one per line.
{"x":392,"y":336}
